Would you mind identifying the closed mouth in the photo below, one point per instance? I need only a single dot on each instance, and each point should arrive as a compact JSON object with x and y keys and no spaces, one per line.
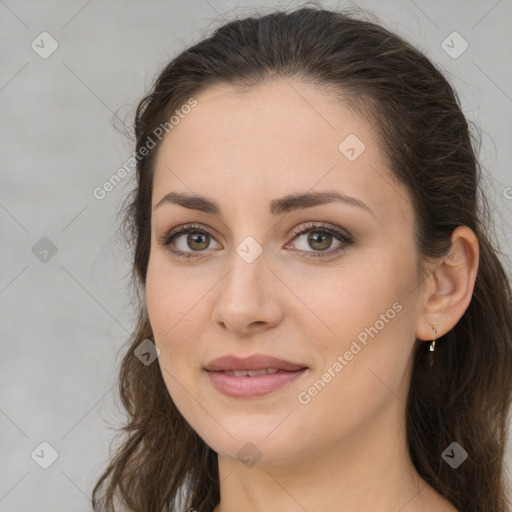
{"x":255,"y":373}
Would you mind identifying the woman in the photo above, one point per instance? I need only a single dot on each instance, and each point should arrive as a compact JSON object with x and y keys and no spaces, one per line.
{"x":308,"y":209}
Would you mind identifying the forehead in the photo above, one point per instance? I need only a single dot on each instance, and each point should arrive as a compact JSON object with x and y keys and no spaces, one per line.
{"x":277,"y":138}
{"x":290,"y":109}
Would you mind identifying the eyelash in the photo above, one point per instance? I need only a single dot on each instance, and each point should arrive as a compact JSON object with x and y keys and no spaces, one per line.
{"x":346,"y":240}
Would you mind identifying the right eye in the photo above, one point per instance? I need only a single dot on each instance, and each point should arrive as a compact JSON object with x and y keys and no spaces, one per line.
{"x":196,"y":235}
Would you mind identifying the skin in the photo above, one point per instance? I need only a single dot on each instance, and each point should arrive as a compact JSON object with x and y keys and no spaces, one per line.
{"x":346,"y":448}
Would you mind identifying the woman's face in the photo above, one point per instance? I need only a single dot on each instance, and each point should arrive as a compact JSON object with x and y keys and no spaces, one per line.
{"x":344,"y":306}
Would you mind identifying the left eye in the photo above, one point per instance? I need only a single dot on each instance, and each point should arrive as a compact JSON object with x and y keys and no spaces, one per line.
{"x":319,"y":237}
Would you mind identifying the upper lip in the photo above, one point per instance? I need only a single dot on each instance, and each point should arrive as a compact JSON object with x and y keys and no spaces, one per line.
{"x":254,"y":362}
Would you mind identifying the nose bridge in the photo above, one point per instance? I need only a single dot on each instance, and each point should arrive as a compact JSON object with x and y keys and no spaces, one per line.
{"x":245,"y":296}
{"x":248,"y":266}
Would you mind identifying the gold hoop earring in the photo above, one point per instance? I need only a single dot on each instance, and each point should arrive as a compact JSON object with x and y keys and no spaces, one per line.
{"x":433,"y":342}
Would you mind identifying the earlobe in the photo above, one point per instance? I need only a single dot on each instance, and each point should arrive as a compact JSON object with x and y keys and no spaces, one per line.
{"x":454,"y":279}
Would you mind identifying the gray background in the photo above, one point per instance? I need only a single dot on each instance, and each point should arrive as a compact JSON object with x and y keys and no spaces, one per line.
{"x":63,"y":321}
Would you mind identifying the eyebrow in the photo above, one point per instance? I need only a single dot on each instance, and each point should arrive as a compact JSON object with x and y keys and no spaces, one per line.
{"x":277,"y":206}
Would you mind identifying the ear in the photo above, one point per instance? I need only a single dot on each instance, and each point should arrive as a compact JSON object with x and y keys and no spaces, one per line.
{"x":450,"y":285}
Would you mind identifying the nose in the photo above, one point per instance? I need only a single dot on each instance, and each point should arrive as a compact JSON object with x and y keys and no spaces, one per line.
{"x":248,"y":297}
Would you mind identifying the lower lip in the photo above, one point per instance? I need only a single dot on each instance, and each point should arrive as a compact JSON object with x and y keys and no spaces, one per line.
{"x":246,"y":386}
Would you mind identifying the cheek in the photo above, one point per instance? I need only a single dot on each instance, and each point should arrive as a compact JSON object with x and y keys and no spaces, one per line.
{"x":173,"y":320}
{"x":170,"y":298}
{"x":366,"y":335}
{"x":340,"y":303}
{"x":177,"y":311}
{"x":359,"y":375}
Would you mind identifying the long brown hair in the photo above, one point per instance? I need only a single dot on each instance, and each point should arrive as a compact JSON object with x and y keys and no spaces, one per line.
{"x":161,"y":463}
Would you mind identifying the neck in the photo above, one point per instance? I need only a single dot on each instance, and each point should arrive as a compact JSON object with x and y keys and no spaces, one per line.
{"x":370,"y":469}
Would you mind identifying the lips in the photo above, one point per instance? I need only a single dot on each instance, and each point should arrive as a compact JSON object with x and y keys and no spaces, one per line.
{"x":231,"y":363}
{"x":249,"y":384}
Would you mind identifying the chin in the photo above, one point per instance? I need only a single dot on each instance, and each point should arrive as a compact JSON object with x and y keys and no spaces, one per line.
{"x":254,"y":442}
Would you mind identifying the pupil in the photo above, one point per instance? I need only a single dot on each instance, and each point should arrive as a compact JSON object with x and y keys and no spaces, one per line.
{"x":313,"y":239}
{"x":192,"y":239}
